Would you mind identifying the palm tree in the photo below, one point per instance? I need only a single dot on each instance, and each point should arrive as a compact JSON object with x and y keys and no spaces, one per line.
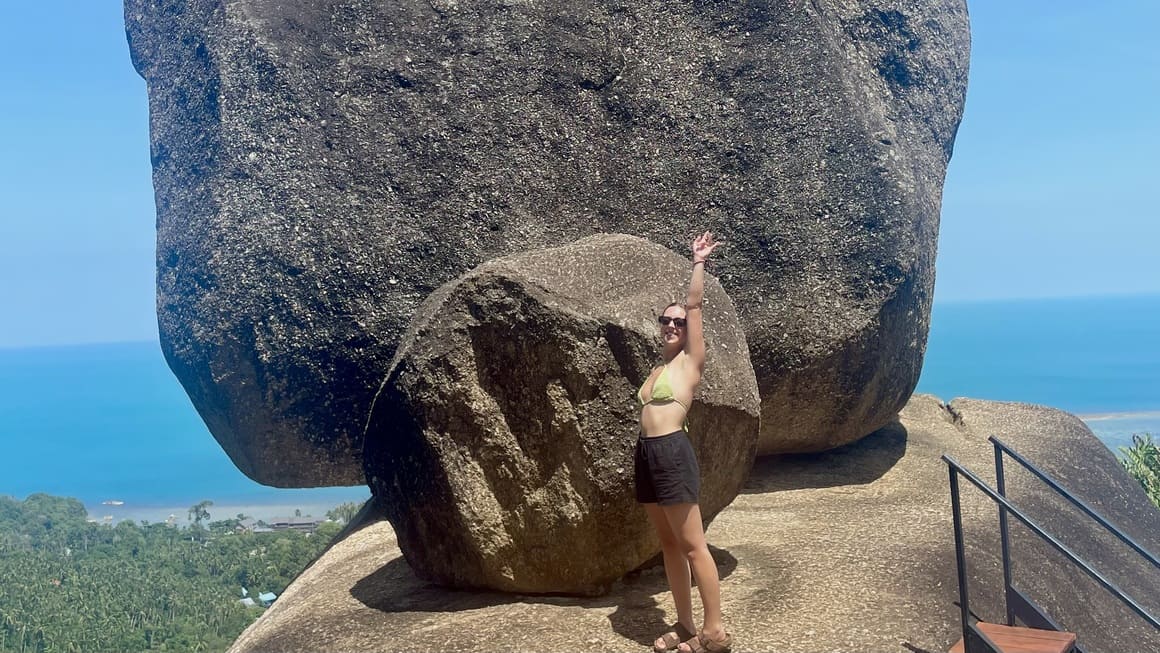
{"x":7,"y":625}
{"x":198,"y":512}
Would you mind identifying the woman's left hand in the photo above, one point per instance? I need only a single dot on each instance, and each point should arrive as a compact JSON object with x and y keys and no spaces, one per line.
{"x":703,"y":246}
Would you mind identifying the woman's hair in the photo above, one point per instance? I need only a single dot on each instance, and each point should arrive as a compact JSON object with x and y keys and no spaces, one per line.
{"x":680,"y":305}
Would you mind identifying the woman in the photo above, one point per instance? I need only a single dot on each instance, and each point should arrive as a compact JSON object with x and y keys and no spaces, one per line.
{"x":667,"y":476}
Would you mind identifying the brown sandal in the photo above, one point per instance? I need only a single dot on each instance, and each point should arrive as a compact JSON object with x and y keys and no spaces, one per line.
{"x":673,"y":638}
{"x":704,"y":644}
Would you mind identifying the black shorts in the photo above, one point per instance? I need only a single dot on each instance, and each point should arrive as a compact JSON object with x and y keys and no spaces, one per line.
{"x":666,"y":470}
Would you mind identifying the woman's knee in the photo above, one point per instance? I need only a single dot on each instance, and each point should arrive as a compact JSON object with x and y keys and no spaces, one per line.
{"x":694,"y":551}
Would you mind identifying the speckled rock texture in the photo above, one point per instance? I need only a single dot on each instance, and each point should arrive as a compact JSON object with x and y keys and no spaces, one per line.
{"x":322,"y":166}
{"x":501,"y":443}
{"x":848,"y":550}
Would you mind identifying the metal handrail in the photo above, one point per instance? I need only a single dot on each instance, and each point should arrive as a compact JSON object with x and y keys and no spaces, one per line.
{"x":960,"y":553}
{"x":1004,"y":541}
{"x":1000,"y":446}
{"x":958,"y":470}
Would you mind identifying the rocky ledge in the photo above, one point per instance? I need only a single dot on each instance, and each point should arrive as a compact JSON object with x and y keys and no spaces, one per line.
{"x":841,"y":551}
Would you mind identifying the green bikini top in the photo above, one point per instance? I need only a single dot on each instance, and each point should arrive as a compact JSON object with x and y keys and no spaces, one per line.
{"x":662,"y":391}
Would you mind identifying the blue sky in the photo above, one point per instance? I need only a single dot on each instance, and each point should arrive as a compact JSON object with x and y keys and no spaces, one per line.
{"x":1049,"y":193}
{"x":1050,"y":190}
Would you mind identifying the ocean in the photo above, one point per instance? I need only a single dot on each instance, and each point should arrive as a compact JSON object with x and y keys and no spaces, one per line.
{"x":1097,"y":357}
{"x":109,"y":423}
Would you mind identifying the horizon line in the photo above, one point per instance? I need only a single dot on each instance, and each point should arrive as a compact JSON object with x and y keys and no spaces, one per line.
{"x":156,"y":339}
{"x":1042,"y":298}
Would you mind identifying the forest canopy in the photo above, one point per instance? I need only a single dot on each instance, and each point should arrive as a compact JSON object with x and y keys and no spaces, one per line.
{"x":67,"y":584}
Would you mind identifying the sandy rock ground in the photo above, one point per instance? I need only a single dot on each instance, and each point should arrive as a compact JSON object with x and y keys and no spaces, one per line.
{"x":850,"y":550}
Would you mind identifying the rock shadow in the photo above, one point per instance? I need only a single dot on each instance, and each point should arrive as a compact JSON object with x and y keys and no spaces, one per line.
{"x":638,"y":616}
{"x":394,"y":587}
{"x":856,"y":463}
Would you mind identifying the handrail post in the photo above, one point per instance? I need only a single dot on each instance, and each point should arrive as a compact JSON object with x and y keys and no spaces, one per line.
{"x":960,"y":554}
{"x":1001,"y":484}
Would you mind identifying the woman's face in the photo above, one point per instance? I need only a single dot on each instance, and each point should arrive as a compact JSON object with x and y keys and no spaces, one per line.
{"x":671,"y":333}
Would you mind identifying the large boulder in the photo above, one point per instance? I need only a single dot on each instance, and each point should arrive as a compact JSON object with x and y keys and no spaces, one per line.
{"x":322,"y":166}
{"x":501,"y":443}
{"x":849,"y":550}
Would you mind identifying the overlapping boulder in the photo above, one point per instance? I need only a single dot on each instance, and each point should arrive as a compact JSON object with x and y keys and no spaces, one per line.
{"x":321,"y":167}
{"x":500,"y":445}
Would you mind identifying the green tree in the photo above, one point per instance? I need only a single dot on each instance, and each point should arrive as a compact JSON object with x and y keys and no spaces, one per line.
{"x":199,"y":512}
{"x":1142,"y":460}
{"x":67,"y":585}
{"x":344,"y":512}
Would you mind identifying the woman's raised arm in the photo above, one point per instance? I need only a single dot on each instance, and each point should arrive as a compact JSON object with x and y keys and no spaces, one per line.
{"x":703,"y":246}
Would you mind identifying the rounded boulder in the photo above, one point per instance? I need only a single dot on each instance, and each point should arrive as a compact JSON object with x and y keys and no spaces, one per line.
{"x":500,"y":445}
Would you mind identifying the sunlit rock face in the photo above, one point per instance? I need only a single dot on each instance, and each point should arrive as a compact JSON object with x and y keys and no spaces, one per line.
{"x":321,"y":167}
{"x":501,"y":443}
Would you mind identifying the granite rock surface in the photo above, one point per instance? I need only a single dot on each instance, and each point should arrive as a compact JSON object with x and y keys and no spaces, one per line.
{"x":848,"y":550}
{"x":322,"y":166}
{"x":501,"y":443}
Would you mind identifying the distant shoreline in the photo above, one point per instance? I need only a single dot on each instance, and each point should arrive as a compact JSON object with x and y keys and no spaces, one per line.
{"x":1139,"y":414}
{"x":160,"y":513}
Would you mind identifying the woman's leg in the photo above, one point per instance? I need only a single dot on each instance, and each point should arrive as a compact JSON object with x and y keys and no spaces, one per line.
{"x":685,"y":522}
{"x":676,"y":566}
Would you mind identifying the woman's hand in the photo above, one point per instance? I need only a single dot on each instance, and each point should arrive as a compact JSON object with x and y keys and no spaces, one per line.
{"x":703,"y":246}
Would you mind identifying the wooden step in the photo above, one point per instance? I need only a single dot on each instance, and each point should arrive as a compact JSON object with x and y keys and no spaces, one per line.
{"x":1013,"y":639}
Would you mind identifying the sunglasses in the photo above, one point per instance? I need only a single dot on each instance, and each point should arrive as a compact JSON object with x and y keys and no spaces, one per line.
{"x":678,"y":322}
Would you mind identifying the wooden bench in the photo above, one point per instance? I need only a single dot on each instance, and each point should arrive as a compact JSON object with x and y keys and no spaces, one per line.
{"x":1013,"y":639}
